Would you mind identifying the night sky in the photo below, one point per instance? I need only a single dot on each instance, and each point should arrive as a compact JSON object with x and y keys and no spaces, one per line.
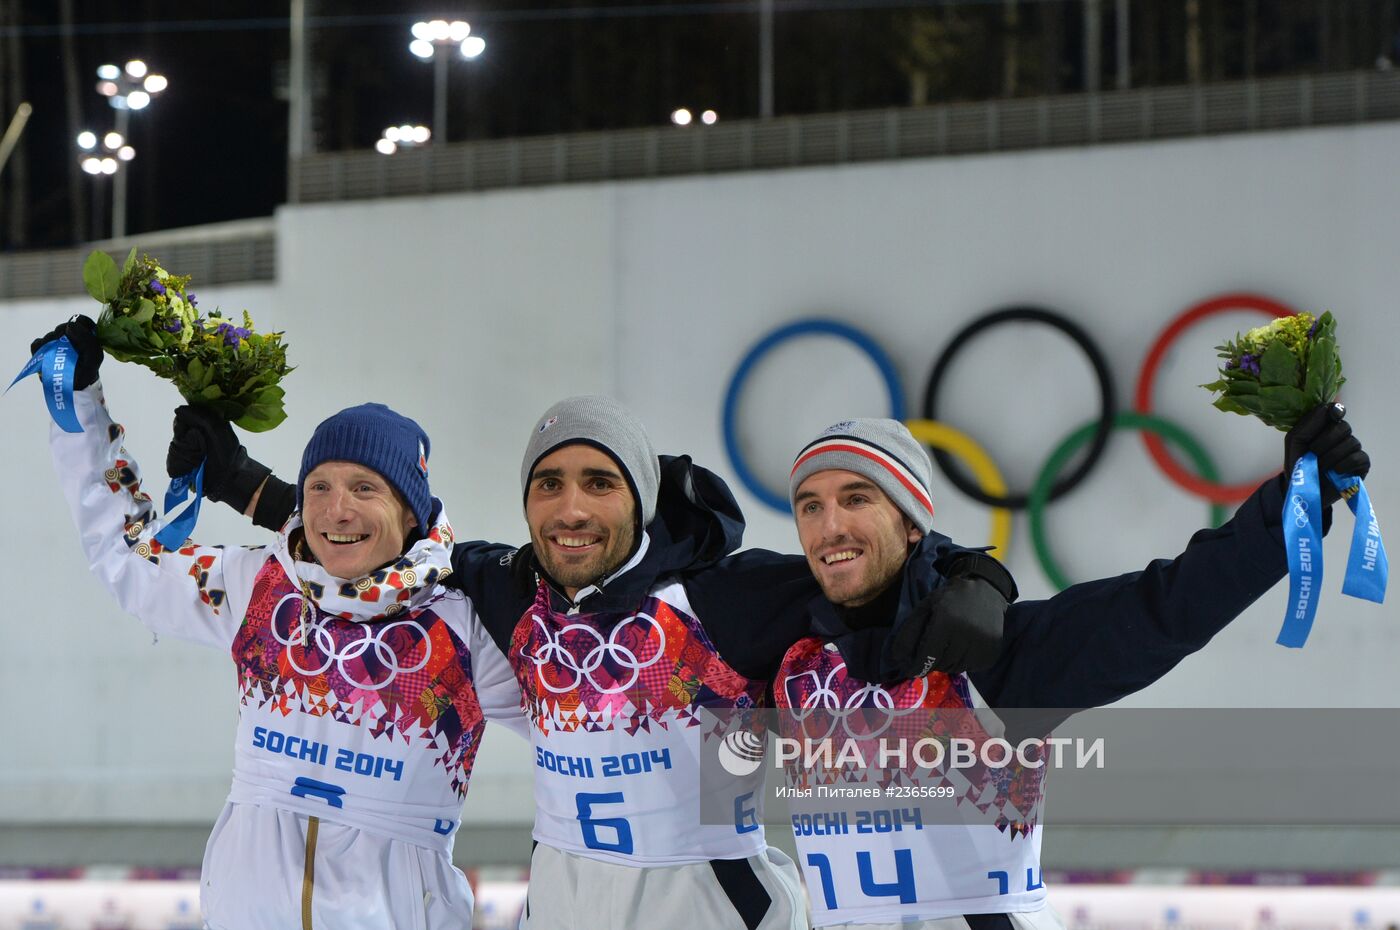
{"x":213,"y":146}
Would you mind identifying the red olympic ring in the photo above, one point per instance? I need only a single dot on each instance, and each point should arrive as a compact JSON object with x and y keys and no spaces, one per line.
{"x":1213,"y":491}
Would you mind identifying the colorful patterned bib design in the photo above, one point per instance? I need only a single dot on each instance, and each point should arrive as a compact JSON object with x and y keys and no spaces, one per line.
{"x":822,"y":702}
{"x":406,"y":678}
{"x":598,"y":672}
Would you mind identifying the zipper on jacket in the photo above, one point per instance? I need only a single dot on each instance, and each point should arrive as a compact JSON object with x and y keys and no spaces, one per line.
{"x":308,"y":875}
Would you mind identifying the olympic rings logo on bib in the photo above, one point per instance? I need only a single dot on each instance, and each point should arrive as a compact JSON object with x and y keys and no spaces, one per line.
{"x":950,"y":446}
{"x":824,"y":700}
{"x":304,"y":639}
{"x":557,"y":654}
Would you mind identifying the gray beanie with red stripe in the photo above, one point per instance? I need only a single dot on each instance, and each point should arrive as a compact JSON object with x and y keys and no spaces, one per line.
{"x":883,"y":451}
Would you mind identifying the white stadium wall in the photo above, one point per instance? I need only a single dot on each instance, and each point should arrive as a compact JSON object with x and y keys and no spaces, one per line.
{"x":474,"y":312}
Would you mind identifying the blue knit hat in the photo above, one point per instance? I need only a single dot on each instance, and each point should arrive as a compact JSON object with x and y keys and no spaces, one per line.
{"x":376,"y":437}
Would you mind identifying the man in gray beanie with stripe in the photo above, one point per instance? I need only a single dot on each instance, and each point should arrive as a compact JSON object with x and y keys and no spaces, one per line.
{"x":864,"y":511}
{"x":855,"y":458}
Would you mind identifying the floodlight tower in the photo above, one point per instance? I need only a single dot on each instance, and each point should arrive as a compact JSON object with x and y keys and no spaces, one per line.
{"x":127,"y":88}
{"x":436,"y":40}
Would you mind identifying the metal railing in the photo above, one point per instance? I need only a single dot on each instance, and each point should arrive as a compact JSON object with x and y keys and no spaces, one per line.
{"x":952,"y":129}
{"x":223,"y":257}
{"x":247,"y":250}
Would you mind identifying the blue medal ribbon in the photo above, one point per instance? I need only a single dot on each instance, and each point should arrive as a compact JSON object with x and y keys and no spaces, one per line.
{"x":1302,"y":538}
{"x":174,"y":533}
{"x":1367,"y":566}
{"x":55,"y":362}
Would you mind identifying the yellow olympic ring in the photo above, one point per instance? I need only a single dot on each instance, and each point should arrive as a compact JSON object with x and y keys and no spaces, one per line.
{"x":957,"y":443}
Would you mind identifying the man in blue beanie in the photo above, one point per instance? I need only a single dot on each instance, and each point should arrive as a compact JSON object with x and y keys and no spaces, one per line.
{"x":376,"y":462}
{"x":363,"y":683}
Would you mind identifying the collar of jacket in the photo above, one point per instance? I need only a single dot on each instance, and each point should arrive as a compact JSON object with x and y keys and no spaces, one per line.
{"x":697,"y":523}
{"x":865,"y":649}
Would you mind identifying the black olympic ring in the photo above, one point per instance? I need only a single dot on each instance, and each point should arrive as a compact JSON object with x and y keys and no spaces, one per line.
{"x":1107,"y":402}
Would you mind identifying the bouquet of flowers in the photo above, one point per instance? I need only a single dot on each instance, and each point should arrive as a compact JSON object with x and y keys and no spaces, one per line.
{"x":149,"y":317}
{"x":1280,"y":371}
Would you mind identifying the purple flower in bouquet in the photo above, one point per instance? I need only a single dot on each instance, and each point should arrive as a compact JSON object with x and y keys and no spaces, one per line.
{"x":150,"y":319}
{"x":233,"y":335}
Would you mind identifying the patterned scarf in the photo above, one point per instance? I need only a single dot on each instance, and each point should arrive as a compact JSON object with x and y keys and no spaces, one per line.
{"x":407,"y":582}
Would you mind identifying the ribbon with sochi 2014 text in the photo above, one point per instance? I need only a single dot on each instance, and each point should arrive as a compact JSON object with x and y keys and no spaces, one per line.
{"x":55,"y":363}
{"x":1368,"y":568}
{"x":950,"y":445}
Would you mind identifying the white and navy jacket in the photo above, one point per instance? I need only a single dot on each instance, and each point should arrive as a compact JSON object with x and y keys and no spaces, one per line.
{"x":1088,"y":646}
{"x":361,"y":704}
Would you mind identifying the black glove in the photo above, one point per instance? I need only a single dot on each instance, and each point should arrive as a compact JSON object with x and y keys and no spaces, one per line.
{"x":230,"y":476}
{"x":1324,"y":433}
{"x":958,"y":627}
{"x":82,"y":333}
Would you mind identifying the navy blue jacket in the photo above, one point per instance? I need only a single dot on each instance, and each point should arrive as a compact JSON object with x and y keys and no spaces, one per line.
{"x":1102,"y":640}
{"x":1085,"y":647}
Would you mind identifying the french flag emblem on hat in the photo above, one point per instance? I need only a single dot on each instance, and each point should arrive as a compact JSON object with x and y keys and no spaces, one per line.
{"x":422,"y":459}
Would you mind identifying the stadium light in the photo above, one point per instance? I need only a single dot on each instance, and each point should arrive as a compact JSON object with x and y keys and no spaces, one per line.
{"x":132,"y":86}
{"x":682,"y":116}
{"x":406,"y":136}
{"x":433,"y":41}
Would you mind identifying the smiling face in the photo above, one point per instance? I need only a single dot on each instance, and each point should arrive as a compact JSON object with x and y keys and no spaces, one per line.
{"x":854,"y":537}
{"x":581,"y":514}
{"x":353,"y":518}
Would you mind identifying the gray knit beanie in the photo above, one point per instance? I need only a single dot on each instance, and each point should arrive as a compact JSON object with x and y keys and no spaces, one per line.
{"x":603,"y":423}
{"x":883,"y":451}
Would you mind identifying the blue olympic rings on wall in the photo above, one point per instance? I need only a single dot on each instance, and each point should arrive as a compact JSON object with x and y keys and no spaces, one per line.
{"x":795,"y":330}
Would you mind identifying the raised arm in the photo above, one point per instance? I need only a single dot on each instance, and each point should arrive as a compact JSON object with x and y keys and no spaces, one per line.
{"x":196,"y":592}
{"x":1102,"y":640}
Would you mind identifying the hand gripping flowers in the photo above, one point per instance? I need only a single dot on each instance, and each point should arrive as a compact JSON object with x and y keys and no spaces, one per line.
{"x":1287,"y":373}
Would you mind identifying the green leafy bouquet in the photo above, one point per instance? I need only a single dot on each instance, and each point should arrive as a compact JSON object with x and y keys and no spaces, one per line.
{"x":1280,"y":371}
{"x":148,"y":317}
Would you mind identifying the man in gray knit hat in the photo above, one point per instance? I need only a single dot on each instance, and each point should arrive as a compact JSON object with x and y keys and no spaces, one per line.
{"x":864,"y":512}
{"x":634,"y":623}
{"x":873,"y":477}
{"x":589,"y":479}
